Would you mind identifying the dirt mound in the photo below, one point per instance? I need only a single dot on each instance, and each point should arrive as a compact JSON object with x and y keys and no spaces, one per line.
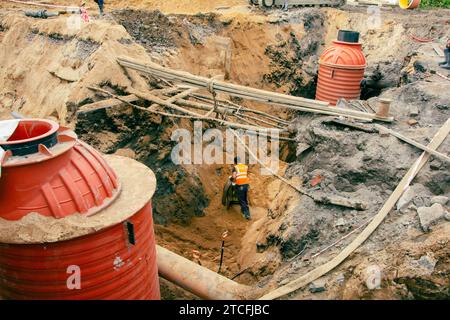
{"x":145,"y":27}
{"x":178,"y":6}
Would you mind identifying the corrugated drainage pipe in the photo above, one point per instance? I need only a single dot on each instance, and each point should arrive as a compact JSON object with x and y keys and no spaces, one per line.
{"x":199,"y":280}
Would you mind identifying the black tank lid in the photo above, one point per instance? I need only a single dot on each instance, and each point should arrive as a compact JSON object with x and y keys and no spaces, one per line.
{"x":348,"y":36}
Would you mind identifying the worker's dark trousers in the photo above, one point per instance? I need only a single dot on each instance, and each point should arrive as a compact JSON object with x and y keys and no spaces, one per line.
{"x":242,"y":195}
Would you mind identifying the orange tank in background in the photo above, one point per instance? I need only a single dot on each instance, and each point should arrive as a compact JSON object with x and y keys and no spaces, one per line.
{"x":341,"y":69}
{"x":51,"y":174}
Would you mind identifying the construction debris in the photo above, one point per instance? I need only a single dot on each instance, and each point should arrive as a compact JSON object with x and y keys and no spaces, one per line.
{"x":317,"y":286}
{"x":404,"y":183}
{"x":42,"y":14}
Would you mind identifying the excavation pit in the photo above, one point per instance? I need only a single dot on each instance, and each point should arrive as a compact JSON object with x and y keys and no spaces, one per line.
{"x":268,"y":50}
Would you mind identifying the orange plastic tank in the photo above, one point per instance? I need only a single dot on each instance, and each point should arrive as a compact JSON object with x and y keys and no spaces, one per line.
{"x":74,"y":224}
{"x":409,"y":4}
{"x":341,"y":69}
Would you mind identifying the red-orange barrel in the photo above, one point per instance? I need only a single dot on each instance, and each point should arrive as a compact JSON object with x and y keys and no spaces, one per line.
{"x":74,"y":225}
{"x":341,"y":69}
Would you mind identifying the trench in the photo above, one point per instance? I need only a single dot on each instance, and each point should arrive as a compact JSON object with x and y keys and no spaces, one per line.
{"x":188,"y":211}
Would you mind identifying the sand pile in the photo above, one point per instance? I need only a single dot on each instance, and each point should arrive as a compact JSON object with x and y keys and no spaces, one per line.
{"x":46,"y":65}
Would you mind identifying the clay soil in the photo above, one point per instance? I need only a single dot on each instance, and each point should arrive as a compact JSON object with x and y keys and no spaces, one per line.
{"x":45,"y":69}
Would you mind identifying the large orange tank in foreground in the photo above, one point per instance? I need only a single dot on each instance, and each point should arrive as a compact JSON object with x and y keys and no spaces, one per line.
{"x":74,"y":225}
{"x":341,"y":69}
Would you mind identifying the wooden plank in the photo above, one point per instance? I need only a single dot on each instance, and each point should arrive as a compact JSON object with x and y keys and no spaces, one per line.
{"x":353,"y":125}
{"x":108,"y":103}
{"x":291,"y":102}
{"x":373,"y":225}
{"x":334,"y":199}
{"x":438,"y":49}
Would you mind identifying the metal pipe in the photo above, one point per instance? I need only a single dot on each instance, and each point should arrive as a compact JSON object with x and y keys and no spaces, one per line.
{"x":42,"y":14}
{"x":199,"y":280}
{"x":45,"y":5}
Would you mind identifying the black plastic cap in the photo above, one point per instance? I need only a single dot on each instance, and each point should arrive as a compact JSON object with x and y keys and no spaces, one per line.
{"x":348,"y":36}
{"x":31,"y":147}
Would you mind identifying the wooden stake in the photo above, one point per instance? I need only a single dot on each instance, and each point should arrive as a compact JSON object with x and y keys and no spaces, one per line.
{"x":104,"y":104}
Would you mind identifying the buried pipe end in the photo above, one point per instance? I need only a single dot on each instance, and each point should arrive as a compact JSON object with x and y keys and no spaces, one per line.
{"x":201,"y":281}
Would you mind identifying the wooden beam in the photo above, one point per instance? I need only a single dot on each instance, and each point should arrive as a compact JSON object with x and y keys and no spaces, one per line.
{"x":113,"y":102}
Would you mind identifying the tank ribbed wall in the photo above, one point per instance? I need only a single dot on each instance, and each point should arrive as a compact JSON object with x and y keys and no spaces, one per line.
{"x":334,"y":84}
{"x":77,"y":181}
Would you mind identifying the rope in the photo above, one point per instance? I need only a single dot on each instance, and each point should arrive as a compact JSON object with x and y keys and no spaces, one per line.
{"x":210,"y":86}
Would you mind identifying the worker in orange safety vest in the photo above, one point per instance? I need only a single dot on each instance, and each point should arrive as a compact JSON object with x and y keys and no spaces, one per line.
{"x":240,"y":178}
